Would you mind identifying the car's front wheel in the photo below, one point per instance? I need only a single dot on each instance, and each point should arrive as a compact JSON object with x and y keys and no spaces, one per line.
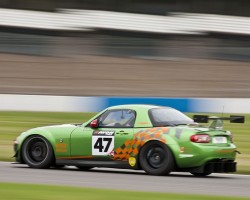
{"x":156,"y":158}
{"x":37,"y":152}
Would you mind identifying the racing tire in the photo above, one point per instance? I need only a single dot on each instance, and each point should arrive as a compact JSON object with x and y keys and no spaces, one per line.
{"x":84,"y":168}
{"x":156,"y":158}
{"x":37,"y":152}
{"x":200,"y":174}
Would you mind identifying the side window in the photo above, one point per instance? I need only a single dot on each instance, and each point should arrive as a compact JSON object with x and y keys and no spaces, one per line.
{"x":118,"y":118}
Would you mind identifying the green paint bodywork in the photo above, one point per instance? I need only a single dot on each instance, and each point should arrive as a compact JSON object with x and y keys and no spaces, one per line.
{"x":187,"y":154}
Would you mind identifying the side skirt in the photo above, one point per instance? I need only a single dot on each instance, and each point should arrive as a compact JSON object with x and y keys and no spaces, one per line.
{"x":94,"y":163}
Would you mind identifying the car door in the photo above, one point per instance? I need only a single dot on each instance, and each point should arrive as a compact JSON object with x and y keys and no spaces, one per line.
{"x":114,"y":128}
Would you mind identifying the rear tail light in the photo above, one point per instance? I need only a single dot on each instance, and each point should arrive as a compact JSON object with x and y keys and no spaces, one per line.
{"x":200,"y":138}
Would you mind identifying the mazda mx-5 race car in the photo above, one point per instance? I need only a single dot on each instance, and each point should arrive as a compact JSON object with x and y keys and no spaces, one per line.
{"x":157,"y":139}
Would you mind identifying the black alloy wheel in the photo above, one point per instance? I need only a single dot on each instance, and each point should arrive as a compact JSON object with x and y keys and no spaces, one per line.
{"x":37,"y":152}
{"x":156,"y":158}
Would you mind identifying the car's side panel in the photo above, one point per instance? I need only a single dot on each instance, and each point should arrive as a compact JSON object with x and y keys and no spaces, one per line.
{"x":127,"y":143}
{"x":131,"y":147}
{"x":82,"y":145}
{"x":80,"y":142}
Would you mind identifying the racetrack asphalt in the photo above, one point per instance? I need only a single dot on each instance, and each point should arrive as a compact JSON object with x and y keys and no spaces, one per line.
{"x":215,"y":184}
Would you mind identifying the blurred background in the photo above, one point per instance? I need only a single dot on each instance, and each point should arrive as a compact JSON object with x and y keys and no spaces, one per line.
{"x":165,"y":48}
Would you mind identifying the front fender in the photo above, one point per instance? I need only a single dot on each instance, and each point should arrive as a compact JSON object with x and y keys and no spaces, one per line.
{"x":57,"y":135}
{"x":42,"y":132}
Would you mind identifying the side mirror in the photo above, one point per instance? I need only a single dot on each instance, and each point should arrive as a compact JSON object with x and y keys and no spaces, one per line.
{"x":94,"y":123}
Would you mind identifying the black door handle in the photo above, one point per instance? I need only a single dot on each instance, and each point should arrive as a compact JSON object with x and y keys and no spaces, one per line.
{"x":122,"y":132}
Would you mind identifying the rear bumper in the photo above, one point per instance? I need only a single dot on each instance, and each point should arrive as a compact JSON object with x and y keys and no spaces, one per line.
{"x":216,"y":167}
{"x":199,"y":155}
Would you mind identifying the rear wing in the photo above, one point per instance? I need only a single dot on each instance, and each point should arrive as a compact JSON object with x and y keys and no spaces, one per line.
{"x":206,"y":118}
{"x":217,"y":122}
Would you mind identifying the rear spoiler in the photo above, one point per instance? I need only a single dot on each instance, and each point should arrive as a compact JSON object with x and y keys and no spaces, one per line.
{"x":206,"y":118}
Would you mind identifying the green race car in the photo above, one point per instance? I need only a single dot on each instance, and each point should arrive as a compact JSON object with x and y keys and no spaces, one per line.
{"x":157,"y":139}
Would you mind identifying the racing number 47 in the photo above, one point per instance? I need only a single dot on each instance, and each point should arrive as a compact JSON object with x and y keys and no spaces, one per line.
{"x":100,"y":142}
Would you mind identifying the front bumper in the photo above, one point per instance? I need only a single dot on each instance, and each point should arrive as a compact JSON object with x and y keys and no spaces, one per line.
{"x":15,"y":146}
{"x":216,"y":166}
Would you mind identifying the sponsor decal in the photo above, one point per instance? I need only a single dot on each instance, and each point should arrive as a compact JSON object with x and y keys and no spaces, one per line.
{"x":61,"y":147}
{"x":131,"y":147}
{"x":132,"y":161}
{"x":107,"y":133}
{"x":143,"y":123}
{"x":103,"y":143}
{"x":112,"y":153}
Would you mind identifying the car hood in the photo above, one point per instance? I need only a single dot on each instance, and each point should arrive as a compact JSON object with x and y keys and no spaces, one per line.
{"x":54,"y":129}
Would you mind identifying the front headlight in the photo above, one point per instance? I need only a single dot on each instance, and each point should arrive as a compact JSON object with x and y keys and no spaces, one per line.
{"x":15,"y":144}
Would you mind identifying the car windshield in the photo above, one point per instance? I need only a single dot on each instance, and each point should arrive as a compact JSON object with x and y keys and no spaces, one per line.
{"x":168,"y":117}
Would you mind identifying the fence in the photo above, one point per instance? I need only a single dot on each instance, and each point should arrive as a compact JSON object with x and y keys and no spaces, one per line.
{"x":9,"y":102}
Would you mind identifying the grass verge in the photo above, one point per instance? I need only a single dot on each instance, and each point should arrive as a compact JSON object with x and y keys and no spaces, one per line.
{"x":43,"y":192}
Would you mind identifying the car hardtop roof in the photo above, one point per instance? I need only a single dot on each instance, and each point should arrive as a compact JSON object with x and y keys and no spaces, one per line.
{"x":136,"y":106}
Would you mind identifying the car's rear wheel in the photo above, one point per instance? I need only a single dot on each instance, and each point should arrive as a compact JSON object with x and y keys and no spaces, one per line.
{"x":200,"y":174}
{"x":156,"y":158}
{"x":37,"y":152}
